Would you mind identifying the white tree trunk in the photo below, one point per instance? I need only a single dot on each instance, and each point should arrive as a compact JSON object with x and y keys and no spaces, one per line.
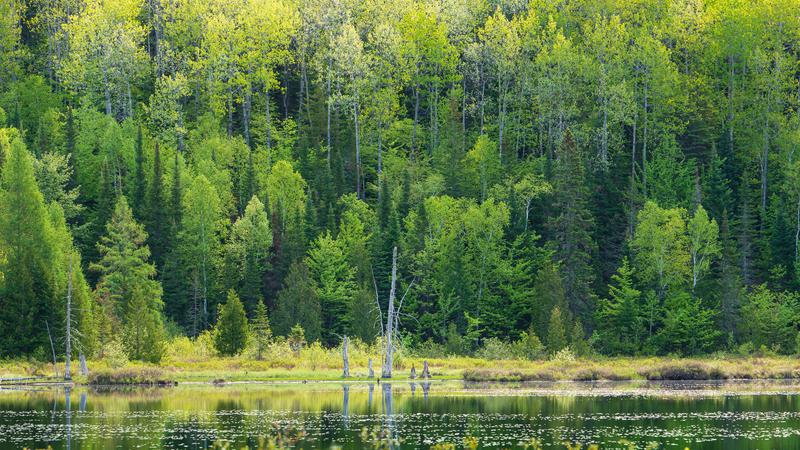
{"x":346,"y":359}
{"x":386,"y":371}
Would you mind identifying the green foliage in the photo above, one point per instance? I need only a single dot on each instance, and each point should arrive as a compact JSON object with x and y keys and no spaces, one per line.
{"x":335,"y":285}
{"x":620,"y":326}
{"x":772,"y":319}
{"x":688,"y":326}
{"x":298,"y":304}
{"x":127,"y":284}
{"x":30,"y":296}
{"x":261,"y":332}
{"x":556,"y":331}
{"x":231,"y":330}
{"x":633,"y":166}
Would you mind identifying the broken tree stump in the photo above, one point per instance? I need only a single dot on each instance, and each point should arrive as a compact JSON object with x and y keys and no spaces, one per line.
{"x":426,"y":373}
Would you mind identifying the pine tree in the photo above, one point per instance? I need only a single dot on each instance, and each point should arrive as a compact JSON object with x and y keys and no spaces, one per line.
{"x":298,"y":304}
{"x":619,"y":323}
{"x":571,"y":229}
{"x":262,"y":334}
{"x":556,"y":331}
{"x":127,"y":279}
{"x":230,"y":333}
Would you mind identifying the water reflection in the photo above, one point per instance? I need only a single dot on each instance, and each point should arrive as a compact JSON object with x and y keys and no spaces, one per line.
{"x":503,"y":415}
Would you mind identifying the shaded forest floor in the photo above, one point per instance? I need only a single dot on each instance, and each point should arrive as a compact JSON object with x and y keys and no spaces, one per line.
{"x":216,"y":369}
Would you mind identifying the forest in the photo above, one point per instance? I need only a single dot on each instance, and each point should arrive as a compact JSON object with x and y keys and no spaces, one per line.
{"x":615,"y":177}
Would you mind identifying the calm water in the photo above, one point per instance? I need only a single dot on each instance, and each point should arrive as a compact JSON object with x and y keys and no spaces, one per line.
{"x":697,"y":415}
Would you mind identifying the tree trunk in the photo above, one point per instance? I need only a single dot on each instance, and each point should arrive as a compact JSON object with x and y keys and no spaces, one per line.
{"x":416,"y":120}
{"x":328,"y":89}
{"x":246,"y":117}
{"x":483,"y":97}
{"x":464,"y":116}
{"x":345,"y":359}
{"x":730,"y":104}
{"x":644,"y":144}
{"x":386,"y":371}
{"x":269,"y":121}
{"x":358,"y":150}
{"x":68,"y":356}
{"x":107,"y":91}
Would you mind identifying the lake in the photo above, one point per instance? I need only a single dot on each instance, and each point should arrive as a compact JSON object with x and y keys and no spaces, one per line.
{"x":699,"y":415}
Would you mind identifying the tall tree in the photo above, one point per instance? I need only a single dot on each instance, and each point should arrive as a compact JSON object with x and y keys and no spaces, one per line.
{"x":127,"y":279}
{"x":247,"y":254}
{"x":200,"y":241}
{"x":29,"y":298}
{"x":571,"y":229}
{"x":298,"y":304}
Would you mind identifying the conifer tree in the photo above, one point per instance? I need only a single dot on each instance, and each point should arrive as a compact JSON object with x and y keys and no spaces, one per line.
{"x":139,"y":182}
{"x":262,"y":333}
{"x":571,"y":229}
{"x":556,"y":331}
{"x":619,"y":322}
{"x":298,"y":304}
{"x":230,"y":333}
{"x":127,"y":279}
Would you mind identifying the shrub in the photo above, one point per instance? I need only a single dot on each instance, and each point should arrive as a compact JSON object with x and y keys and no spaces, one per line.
{"x":684,"y":371}
{"x":528,"y":346}
{"x":494,"y":348}
{"x":131,"y":376}
{"x":563,"y":355}
{"x":114,"y":354}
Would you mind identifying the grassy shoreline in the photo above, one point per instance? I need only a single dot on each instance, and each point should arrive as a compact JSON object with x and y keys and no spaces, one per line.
{"x":237,"y":369}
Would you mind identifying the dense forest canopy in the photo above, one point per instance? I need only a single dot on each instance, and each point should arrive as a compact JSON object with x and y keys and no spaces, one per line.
{"x":618,"y":176}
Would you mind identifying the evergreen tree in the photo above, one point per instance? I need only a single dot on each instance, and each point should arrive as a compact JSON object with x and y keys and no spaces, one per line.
{"x":571,"y":229}
{"x":262,"y":334}
{"x":298,"y":304}
{"x":230,"y":333}
{"x":549,"y":293}
{"x":619,"y":323}
{"x":127,"y":280}
{"x":139,"y":183}
{"x":335,"y":285}
{"x":556,"y":331}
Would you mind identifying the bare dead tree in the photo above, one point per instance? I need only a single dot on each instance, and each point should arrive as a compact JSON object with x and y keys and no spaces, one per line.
{"x":67,"y":374}
{"x":345,"y":358}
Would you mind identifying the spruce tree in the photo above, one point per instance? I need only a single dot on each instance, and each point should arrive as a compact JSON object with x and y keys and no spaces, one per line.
{"x":230,"y":333}
{"x":247,"y":253}
{"x":262,"y":334}
{"x":620,"y":326}
{"x":298,"y":304}
{"x":556,"y":331}
{"x":127,"y":279}
{"x":571,"y":229}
